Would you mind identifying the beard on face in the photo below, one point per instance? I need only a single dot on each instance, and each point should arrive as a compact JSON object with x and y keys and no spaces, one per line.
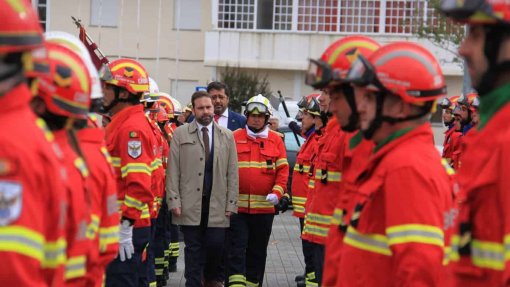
{"x":205,"y":120}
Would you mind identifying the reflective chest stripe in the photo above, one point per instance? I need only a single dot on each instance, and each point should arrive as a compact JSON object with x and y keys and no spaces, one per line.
{"x":330,"y":176}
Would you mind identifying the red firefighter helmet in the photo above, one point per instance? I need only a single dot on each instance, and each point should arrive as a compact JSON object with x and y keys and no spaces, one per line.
{"x":477,"y":11}
{"x":127,"y":74}
{"x":161,"y":116}
{"x":449,"y":103}
{"x":404,"y":69}
{"x":337,"y":59}
{"x":66,"y":88}
{"x":20,"y":30}
{"x":166,"y":103}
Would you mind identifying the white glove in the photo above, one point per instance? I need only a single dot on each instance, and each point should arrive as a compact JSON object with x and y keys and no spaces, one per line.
{"x":272,"y":198}
{"x":289,"y":120}
{"x":126,"y":248}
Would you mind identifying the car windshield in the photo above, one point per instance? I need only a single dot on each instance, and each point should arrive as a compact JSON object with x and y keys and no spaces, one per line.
{"x":290,"y":141}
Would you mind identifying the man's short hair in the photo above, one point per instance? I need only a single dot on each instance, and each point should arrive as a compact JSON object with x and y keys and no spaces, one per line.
{"x":218,"y":86}
{"x":198,"y":95}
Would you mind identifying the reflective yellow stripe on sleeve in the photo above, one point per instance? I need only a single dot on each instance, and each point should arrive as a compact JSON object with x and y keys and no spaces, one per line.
{"x":281,"y":161}
{"x":135,"y":168}
{"x":278,"y":188}
{"x":115,"y":161}
{"x":415,"y":233}
{"x":21,"y":240}
{"x":376,"y":243}
{"x":487,"y":254}
{"x":75,"y":267}
{"x":107,"y":236}
{"x":54,"y":253}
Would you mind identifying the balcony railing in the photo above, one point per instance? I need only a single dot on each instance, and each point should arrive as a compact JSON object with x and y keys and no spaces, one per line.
{"x":401,"y":17}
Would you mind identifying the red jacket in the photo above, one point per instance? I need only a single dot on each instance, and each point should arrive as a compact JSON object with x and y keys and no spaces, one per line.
{"x":104,"y":227}
{"x":357,"y":153}
{"x":300,"y":175}
{"x":395,"y":236}
{"x":78,"y":211}
{"x":481,"y":247}
{"x":32,"y":196}
{"x":327,"y":178}
{"x":131,"y":143}
{"x":263,"y":169}
{"x":158,"y":170}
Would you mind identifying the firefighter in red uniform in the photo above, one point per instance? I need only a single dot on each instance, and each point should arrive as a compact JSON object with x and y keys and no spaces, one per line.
{"x":396,"y":235}
{"x":451,"y":134}
{"x":134,"y":150}
{"x":263,"y":175}
{"x":300,"y":179}
{"x":104,"y":226}
{"x":456,"y":139}
{"x":326,"y":178}
{"x":63,"y":95}
{"x":481,"y":246}
{"x":32,"y":196}
{"x":329,"y":74}
{"x":172,"y":232}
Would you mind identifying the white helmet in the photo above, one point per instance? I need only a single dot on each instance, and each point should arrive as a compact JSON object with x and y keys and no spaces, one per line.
{"x":258,"y":105}
{"x":177,"y":106}
{"x":153,"y":94}
{"x":77,"y":46}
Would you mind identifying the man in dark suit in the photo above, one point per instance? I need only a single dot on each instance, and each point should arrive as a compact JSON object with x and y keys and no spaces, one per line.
{"x":226,"y":118}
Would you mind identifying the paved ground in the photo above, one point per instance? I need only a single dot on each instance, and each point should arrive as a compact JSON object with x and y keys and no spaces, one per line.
{"x":284,"y":258}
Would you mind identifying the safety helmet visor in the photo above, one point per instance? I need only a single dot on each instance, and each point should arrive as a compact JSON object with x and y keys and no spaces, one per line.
{"x":105,"y":73}
{"x":319,"y":74}
{"x":445,"y":103}
{"x":257,"y":108}
{"x":313,"y":107}
{"x":363,"y":74}
{"x":302,"y":103}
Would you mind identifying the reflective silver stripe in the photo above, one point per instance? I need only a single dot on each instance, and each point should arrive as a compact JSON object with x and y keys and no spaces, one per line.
{"x":425,"y":62}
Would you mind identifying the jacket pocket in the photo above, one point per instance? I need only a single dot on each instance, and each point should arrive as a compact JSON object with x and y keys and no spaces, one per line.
{"x":268,"y":158}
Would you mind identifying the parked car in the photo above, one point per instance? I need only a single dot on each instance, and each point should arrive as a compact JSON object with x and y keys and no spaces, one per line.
{"x":292,"y":147}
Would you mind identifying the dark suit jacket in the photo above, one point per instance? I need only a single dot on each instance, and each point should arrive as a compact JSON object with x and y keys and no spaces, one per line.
{"x":235,"y":121}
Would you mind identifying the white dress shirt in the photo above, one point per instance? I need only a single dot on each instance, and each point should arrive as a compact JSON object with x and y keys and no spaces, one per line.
{"x":223,"y":120}
{"x":209,"y":132}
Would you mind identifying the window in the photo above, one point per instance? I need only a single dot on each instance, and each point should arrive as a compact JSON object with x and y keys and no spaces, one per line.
{"x":346,"y":16}
{"x":182,"y":90}
{"x":187,"y":14}
{"x":42,"y":7}
{"x":236,"y":14}
{"x":104,"y":13}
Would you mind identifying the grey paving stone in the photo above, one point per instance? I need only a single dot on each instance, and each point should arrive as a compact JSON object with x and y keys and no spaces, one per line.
{"x":284,"y":255}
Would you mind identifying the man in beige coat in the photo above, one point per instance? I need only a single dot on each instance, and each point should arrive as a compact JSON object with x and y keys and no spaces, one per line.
{"x":202,"y":190}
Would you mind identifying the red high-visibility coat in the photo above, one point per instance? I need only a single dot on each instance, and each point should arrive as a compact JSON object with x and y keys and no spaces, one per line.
{"x":158,"y":169}
{"x":355,"y":159}
{"x":395,"y":235}
{"x":300,"y":175}
{"x":481,"y":246}
{"x":78,"y":211}
{"x":32,"y":195}
{"x":131,"y":143}
{"x":263,"y":169}
{"x":104,"y":227}
{"x":327,"y":180}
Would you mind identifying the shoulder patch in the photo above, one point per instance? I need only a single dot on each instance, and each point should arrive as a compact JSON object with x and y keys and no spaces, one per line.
{"x":135,"y":148}
{"x":134,"y":134}
{"x":10,"y":201}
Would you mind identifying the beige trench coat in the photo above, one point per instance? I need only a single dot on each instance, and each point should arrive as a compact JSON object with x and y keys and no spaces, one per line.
{"x":185,"y":176}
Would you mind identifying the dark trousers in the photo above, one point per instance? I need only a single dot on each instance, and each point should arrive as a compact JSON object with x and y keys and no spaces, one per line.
{"x":202,"y":253}
{"x":307,"y":253}
{"x":318,"y":262}
{"x":147,"y":272}
{"x":173,"y":239}
{"x":249,"y":236}
{"x":160,"y":245}
{"x":126,"y":274}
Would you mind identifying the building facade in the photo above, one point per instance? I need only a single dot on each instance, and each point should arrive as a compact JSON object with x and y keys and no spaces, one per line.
{"x":187,"y":43}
